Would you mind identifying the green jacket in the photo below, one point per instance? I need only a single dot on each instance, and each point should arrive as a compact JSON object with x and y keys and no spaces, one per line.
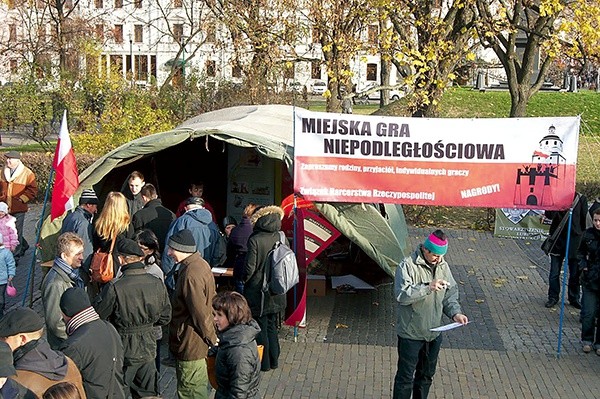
{"x":420,"y":309}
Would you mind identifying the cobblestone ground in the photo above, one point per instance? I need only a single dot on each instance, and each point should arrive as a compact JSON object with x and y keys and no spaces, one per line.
{"x":348,"y":347}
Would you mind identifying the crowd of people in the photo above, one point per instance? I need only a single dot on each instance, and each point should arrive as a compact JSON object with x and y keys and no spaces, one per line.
{"x":101,"y":339}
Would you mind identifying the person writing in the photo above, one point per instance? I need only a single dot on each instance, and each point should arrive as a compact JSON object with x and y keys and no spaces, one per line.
{"x":425,"y":290}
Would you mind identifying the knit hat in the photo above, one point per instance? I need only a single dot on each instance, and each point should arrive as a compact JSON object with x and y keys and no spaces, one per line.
{"x":436,"y":245}
{"x":73,"y":301}
{"x":183,"y":241}
{"x":229,"y":220}
{"x":88,"y":197}
{"x":3,"y":207}
{"x":6,"y":361}
{"x":128,"y":247}
{"x":20,"y":320}
{"x":194,"y":201}
{"x":13,"y":154}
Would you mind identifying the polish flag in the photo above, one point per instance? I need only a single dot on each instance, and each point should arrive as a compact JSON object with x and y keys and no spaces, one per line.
{"x":66,"y":178}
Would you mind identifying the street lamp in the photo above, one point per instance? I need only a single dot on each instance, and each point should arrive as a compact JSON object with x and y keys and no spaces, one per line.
{"x":183,"y":38}
{"x":140,"y":63}
{"x":131,"y":55}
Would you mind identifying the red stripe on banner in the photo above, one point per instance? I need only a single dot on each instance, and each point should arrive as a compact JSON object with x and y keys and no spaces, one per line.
{"x":494,"y":185}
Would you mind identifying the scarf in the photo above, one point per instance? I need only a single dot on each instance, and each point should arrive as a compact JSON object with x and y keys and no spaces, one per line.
{"x":72,"y":273}
{"x":85,"y":316}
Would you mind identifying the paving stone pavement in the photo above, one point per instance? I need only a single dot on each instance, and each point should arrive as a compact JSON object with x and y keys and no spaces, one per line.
{"x":348,"y":347}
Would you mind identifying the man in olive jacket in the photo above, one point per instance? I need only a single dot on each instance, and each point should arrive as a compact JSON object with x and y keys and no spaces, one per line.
{"x":135,"y":303}
{"x":425,"y":290}
{"x":192,"y":330}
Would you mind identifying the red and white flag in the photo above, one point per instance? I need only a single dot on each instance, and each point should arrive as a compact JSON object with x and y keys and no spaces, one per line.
{"x":66,"y":178}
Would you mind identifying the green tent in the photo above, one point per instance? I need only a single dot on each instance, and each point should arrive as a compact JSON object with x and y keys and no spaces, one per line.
{"x":169,"y":160}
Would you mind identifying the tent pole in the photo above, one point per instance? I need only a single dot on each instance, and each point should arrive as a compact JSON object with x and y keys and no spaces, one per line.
{"x":564,"y":282}
{"x":29,"y":285}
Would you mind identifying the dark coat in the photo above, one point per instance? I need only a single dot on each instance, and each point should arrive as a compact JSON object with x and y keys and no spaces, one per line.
{"x":192,"y":330}
{"x":267,"y":223}
{"x":237,"y":247}
{"x":134,"y":202}
{"x":237,"y":364}
{"x":80,"y":222}
{"x":588,"y":256}
{"x":154,"y":216}
{"x":134,"y":303}
{"x":578,"y":220}
{"x":13,"y":390}
{"x":96,"y":349}
{"x":39,"y":368}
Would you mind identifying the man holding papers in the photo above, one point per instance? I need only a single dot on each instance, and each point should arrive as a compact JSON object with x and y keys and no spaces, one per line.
{"x":425,"y":290}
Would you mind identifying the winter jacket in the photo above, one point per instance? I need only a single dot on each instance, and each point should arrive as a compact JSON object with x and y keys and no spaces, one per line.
{"x":17,"y":189}
{"x":237,"y":364}
{"x":80,"y":222}
{"x":237,"y":247}
{"x":578,"y":221}
{"x":155,"y":217}
{"x":39,"y":368}
{"x":134,"y":303}
{"x":267,"y":223}
{"x":13,"y":390}
{"x":210,"y":243}
{"x":192,"y":330}
{"x":96,"y":349}
{"x":8,"y":229}
{"x":588,"y":257}
{"x":7,"y":265}
{"x":420,"y":309}
{"x":134,"y":202}
{"x":54,"y":285}
{"x":183,"y":204}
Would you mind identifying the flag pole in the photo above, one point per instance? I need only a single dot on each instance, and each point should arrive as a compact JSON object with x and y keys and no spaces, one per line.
{"x":29,"y":285}
{"x":566,"y":274}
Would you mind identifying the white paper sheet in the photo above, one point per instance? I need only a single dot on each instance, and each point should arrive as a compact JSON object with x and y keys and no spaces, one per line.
{"x":219,"y":270}
{"x":447,"y":327}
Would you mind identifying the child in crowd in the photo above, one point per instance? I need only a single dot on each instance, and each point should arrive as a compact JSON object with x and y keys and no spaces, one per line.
{"x":8,"y":228}
{"x":7,"y":272}
{"x":237,"y":363}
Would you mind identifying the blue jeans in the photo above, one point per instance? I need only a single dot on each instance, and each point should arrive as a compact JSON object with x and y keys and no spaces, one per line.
{"x":590,"y":329}
{"x":556,"y":263}
{"x":416,"y":366}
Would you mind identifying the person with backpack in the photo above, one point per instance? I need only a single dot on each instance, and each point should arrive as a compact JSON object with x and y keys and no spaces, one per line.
{"x":265,"y":306}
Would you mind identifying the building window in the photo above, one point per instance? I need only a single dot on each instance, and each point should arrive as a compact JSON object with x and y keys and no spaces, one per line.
{"x":42,"y":34}
{"x":236,"y":71}
{"x":116,"y":63}
{"x":372,"y":33}
{"x":177,"y":3}
{"x":11,"y":4}
{"x":371,"y":71}
{"x":211,"y":33}
{"x":141,"y":66}
{"x":68,"y":4}
{"x":316,"y":35}
{"x":177,"y":33}
{"x":128,"y":65}
{"x":118,"y":33}
{"x":12,"y":33}
{"x":91,"y":65}
{"x":118,"y":3}
{"x":153,"y":66}
{"x":315,"y":70}
{"x":138,"y":33}
{"x":99,"y":32}
{"x":99,"y":3}
{"x":211,"y":68}
{"x":137,"y":3}
{"x":288,"y":72}
{"x":13,"y":65}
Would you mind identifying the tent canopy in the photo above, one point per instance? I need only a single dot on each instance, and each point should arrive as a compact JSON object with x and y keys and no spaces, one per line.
{"x":170,"y":160}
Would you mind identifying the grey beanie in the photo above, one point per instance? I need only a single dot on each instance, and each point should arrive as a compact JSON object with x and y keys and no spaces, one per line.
{"x":183,"y":241}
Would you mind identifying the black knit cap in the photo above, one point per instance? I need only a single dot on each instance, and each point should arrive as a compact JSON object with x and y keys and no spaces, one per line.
{"x":20,"y":320}
{"x":6,"y":361}
{"x":73,"y":301}
{"x":183,"y":241}
{"x":126,"y":246}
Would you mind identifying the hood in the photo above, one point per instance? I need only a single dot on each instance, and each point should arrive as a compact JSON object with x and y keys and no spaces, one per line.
{"x":202,"y":215}
{"x":240,"y":334}
{"x":36,"y":356}
{"x":268,"y":218}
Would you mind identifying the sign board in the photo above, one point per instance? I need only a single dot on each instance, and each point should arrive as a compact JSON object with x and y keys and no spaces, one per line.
{"x":499,"y":163}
